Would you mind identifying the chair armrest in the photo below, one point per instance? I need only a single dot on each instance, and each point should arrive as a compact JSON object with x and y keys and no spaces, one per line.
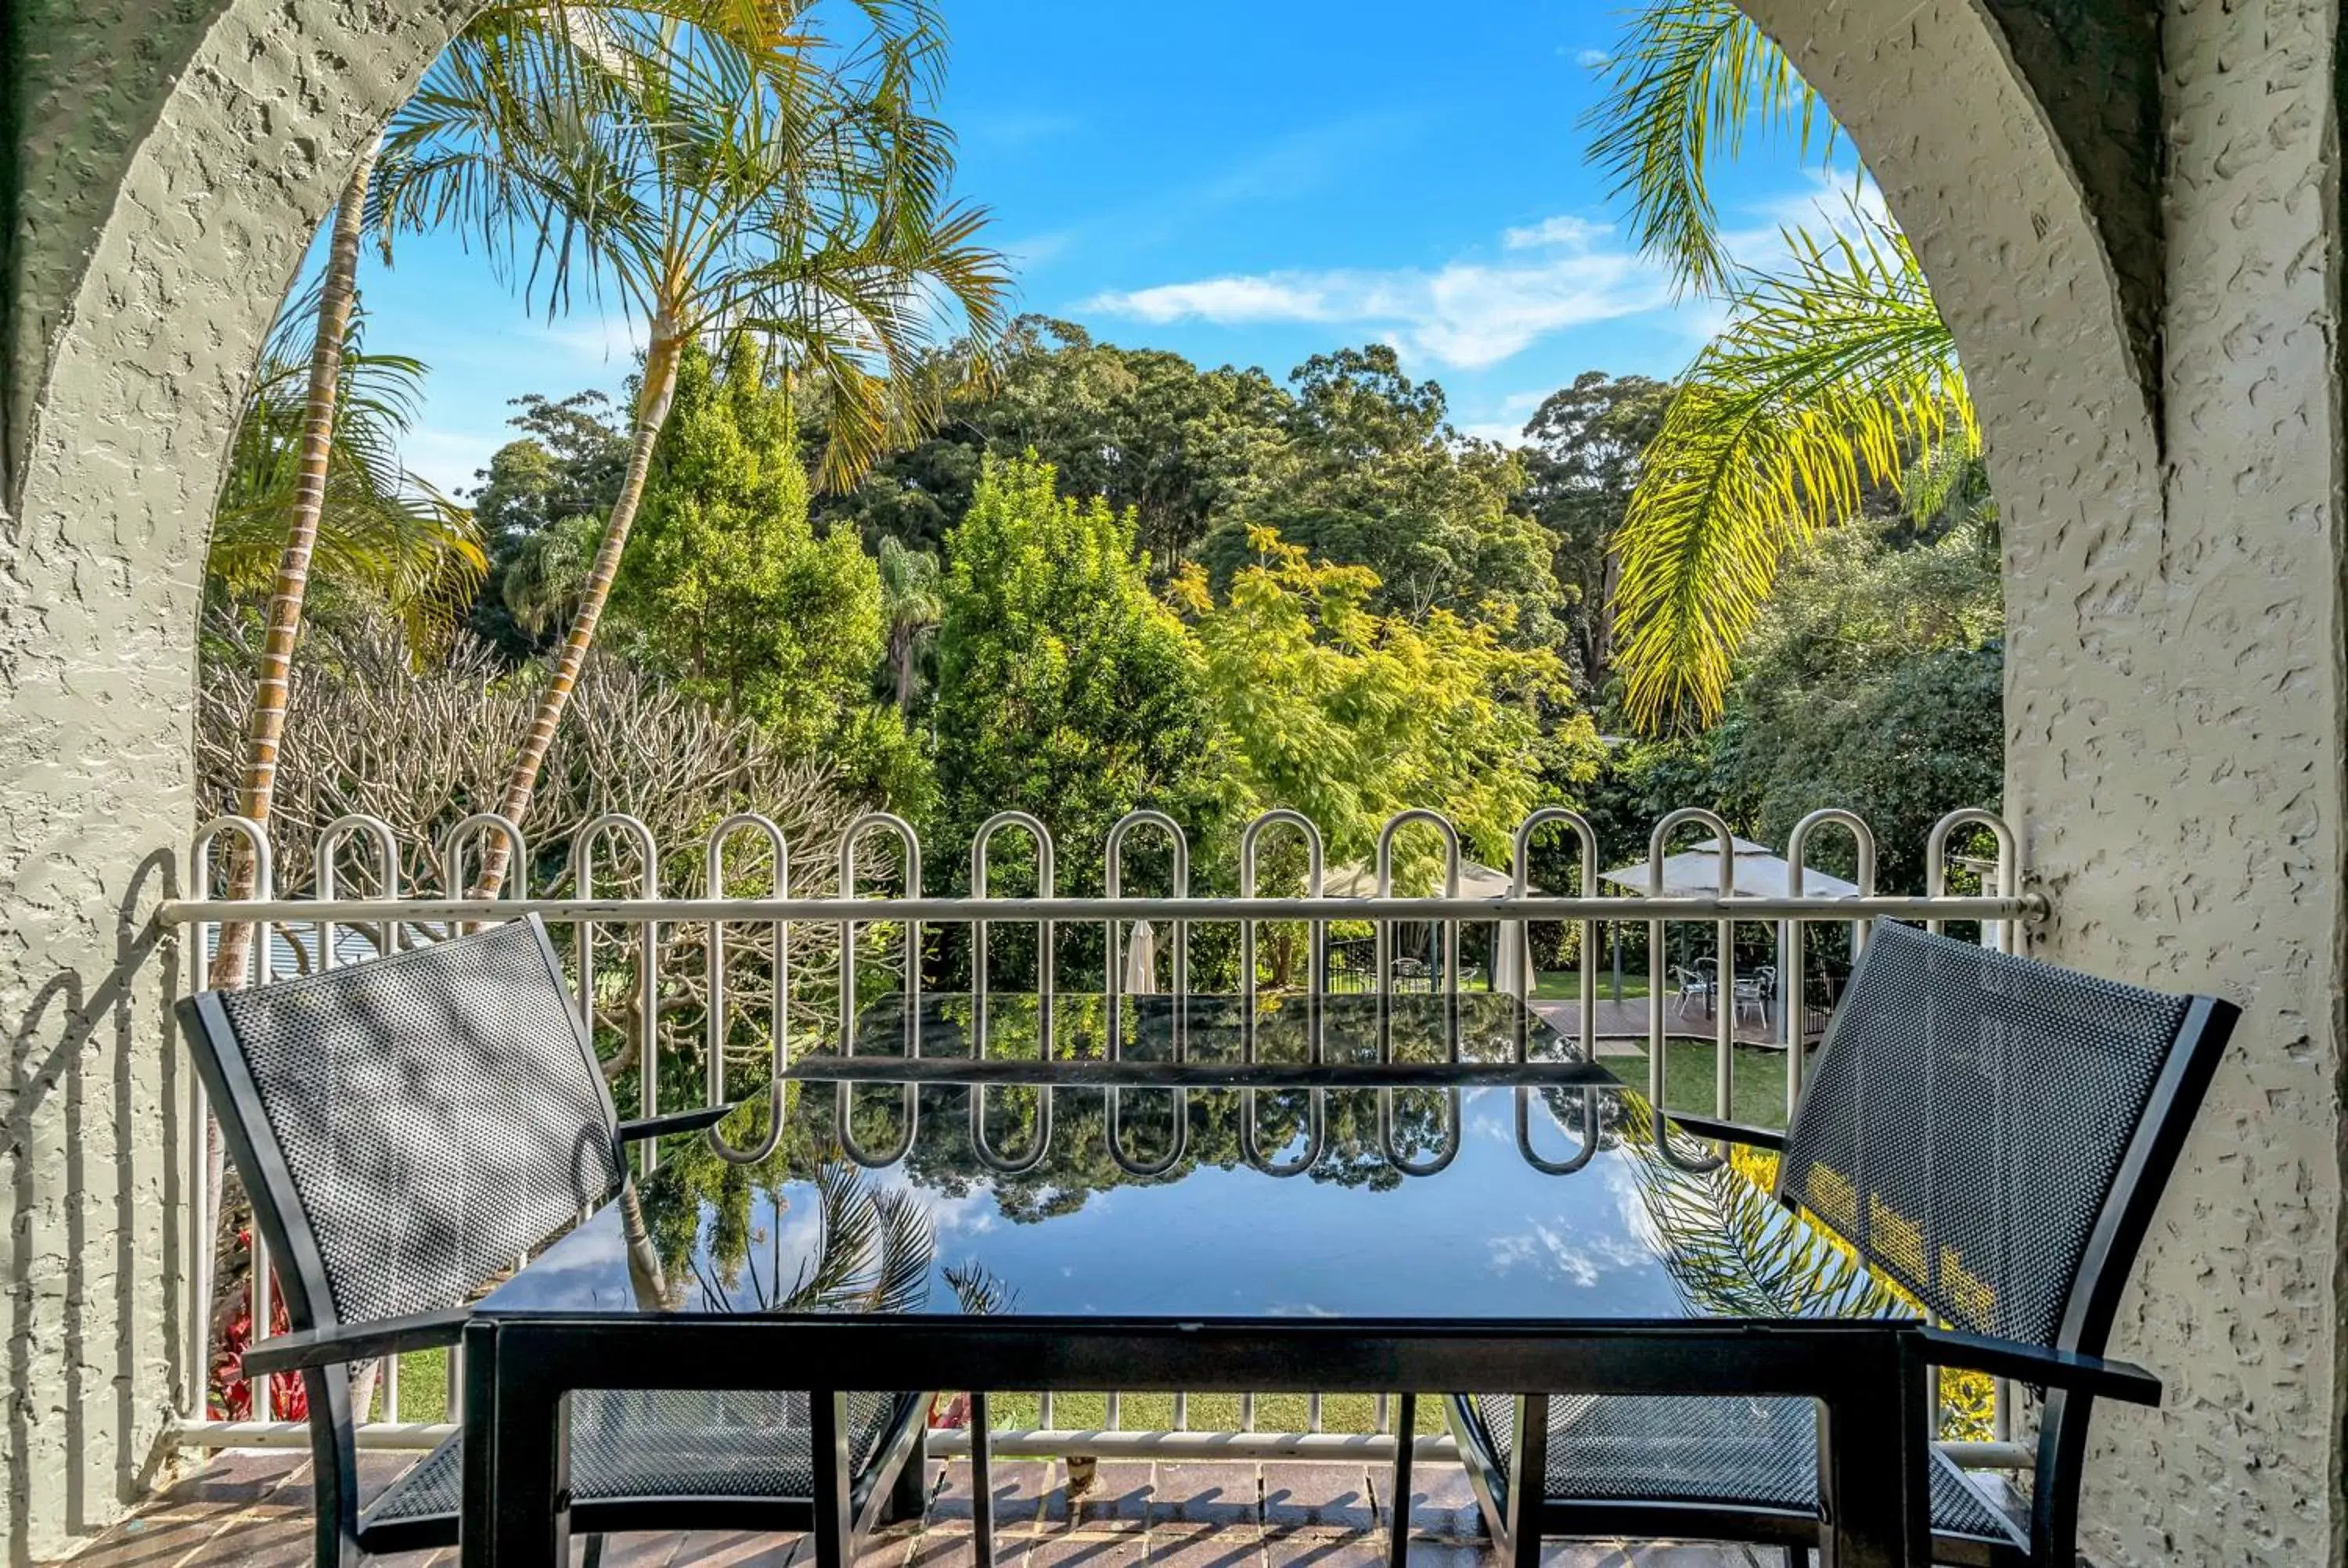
{"x":674,"y":1122}
{"x":1729,"y":1132}
{"x":355,"y":1342}
{"x":2122,"y":1380}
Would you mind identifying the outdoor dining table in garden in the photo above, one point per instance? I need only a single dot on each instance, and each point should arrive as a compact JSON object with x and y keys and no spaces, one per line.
{"x":1374,"y":1195}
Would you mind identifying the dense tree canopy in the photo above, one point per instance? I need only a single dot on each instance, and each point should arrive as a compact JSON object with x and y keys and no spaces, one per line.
{"x":1581,"y":465}
{"x":1350,"y":715}
{"x":1065,"y":687}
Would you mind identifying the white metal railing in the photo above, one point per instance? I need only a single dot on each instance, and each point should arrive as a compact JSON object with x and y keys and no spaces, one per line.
{"x":317,"y":930}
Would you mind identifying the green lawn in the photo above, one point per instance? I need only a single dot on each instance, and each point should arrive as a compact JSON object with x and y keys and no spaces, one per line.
{"x":1565,"y":985}
{"x":424,"y":1398}
{"x":1756,"y":1080}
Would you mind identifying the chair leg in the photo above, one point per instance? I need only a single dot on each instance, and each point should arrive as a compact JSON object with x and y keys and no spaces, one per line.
{"x":1398,"y":1497}
{"x":593,"y":1556}
{"x":908,"y":1495}
{"x":982,"y":1484}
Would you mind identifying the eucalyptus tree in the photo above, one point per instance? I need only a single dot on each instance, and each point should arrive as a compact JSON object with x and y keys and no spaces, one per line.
{"x":801,"y":196}
{"x":1835,"y":374}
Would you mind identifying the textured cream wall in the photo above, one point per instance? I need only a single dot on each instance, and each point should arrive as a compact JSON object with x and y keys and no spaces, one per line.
{"x":146,"y":358}
{"x":2174,"y":686}
{"x":2175,"y":670}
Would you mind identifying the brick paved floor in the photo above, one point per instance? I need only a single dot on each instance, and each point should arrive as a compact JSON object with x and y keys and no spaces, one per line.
{"x":254,"y":1511}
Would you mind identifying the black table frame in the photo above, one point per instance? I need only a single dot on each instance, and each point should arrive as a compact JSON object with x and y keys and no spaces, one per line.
{"x":1870,"y":1376}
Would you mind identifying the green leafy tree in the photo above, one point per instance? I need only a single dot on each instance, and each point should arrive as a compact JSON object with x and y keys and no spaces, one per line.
{"x":1064,"y":688}
{"x":541,"y":505}
{"x":1582,"y":457}
{"x":1372,"y":475}
{"x":1873,"y":681}
{"x":798,"y":190}
{"x":729,"y":590}
{"x":1143,"y":428}
{"x":1350,"y":715}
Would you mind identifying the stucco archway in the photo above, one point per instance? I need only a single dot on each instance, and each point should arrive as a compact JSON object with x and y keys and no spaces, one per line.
{"x":2165,"y":433}
{"x":134,"y":394}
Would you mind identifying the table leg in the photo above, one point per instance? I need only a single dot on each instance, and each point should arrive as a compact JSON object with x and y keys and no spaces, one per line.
{"x":1874,"y":1487}
{"x":530,"y":1461}
{"x":828,"y":1460}
{"x":982,"y":1483}
{"x":1527,"y":1482}
{"x":476,"y":1514}
{"x":1406,"y":1438}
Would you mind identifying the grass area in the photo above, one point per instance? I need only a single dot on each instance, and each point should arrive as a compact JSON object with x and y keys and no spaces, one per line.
{"x":1565,"y":986}
{"x":1756,"y":1079}
{"x":424,"y":1387}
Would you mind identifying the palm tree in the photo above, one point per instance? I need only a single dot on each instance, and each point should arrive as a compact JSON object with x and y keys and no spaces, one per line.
{"x":710,"y":189}
{"x":1836,"y":372}
{"x":548,"y":572}
{"x":912,"y":602}
{"x":314,"y":481}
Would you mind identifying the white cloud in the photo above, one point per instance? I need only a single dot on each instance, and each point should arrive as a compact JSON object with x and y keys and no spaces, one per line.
{"x":1594,"y":59}
{"x":1465,"y":314}
{"x":1563,"y":229}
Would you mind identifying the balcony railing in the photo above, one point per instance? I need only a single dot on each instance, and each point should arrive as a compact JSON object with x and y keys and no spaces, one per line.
{"x":719,"y":948}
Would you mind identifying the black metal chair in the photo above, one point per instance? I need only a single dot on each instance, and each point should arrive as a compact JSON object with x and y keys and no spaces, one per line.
{"x":1990,"y":1133}
{"x":406,"y":1129}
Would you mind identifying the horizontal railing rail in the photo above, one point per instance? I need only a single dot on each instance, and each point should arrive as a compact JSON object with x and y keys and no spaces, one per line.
{"x":649,"y":922}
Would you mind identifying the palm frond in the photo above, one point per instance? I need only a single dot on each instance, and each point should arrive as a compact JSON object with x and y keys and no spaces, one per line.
{"x":1832,"y":377}
{"x":1690,"y":79}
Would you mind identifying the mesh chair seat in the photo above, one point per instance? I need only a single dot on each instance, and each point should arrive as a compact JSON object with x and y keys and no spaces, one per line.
{"x":634,"y":1445}
{"x":1734,"y":1452}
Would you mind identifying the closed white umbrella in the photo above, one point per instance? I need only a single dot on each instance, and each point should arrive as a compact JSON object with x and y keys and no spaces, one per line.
{"x":1141,"y":960}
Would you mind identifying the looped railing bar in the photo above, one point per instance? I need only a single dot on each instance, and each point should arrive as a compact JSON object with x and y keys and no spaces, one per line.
{"x":779,"y":883}
{"x":200,"y":877}
{"x":647,"y":1030}
{"x":450,"y":858}
{"x":1521,"y":884}
{"x":1936,"y":863}
{"x":1581,"y":1156}
{"x":1452,"y":856}
{"x":909,"y":1098}
{"x":979,"y":847}
{"x":357,"y":825}
{"x":1724,"y":968}
{"x":1113,"y":873}
{"x":1793,"y":986}
{"x":1316,"y":1122}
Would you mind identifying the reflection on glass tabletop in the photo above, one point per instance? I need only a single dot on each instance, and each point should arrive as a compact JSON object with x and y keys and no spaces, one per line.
{"x":1479,"y":1202}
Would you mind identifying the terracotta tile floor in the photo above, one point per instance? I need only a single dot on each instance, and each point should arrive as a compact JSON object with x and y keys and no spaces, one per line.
{"x":253,"y":1510}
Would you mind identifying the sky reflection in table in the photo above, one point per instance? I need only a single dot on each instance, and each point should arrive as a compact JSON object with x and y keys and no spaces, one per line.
{"x":1544,"y":1201}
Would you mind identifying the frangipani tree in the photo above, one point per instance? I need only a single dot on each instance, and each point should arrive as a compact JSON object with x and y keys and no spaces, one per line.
{"x":703,"y":189}
{"x":1834,"y":373}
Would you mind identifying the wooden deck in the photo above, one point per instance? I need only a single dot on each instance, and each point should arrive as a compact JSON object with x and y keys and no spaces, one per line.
{"x":253,"y":1510}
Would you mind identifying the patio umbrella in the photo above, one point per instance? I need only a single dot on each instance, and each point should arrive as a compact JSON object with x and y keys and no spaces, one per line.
{"x":1760,"y":872}
{"x":1141,"y":960}
{"x":1476,"y":881}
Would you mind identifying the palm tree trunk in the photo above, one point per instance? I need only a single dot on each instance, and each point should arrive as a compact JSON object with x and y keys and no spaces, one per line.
{"x":903,"y":659}
{"x":337,"y":291}
{"x":655,"y":390}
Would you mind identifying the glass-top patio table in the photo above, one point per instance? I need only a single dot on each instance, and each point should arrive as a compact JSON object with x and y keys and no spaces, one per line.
{"x":1342,"y":1194}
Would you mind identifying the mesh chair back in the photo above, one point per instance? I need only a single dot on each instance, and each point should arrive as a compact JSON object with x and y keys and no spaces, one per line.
{"x":413,"y":1124}
{"x":1967,"y":1120}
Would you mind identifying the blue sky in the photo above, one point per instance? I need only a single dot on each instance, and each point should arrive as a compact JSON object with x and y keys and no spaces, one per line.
{"x":1242,"y":182}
